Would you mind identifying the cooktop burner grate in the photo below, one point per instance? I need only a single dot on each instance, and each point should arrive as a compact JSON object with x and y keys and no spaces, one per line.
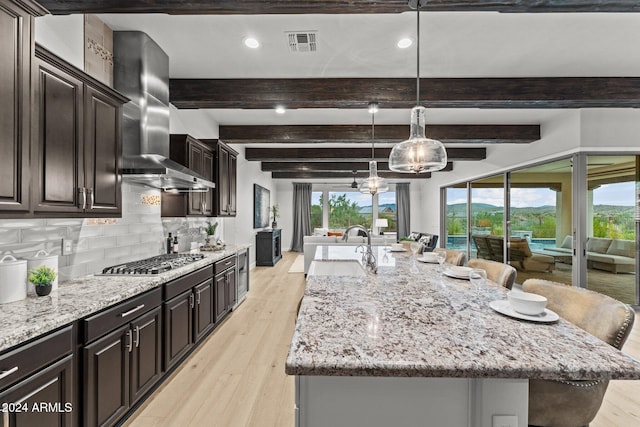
{"x":154,"y":265}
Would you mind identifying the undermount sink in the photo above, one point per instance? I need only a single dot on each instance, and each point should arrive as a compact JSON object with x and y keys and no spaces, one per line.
{"x":347,"y":267}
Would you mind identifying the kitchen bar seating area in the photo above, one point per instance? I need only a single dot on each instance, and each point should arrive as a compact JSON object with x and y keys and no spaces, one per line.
{"x":270,"y":213}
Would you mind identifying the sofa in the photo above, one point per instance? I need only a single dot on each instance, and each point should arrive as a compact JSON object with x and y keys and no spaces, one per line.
{"x":492,"y":248}
{"x":613,"y":255}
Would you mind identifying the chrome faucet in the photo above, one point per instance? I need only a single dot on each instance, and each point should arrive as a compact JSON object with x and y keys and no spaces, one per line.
{"x":368,"y":257}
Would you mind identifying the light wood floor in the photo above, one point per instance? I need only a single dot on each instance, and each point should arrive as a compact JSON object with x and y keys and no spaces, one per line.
{"x":236,"y":377}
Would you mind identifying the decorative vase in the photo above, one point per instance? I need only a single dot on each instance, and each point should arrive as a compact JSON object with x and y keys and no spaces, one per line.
{"x":274,"y":224}
{"x":43,"y":290}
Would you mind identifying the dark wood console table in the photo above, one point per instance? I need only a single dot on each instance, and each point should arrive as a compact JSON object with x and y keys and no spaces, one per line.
{"x":268,"y":247}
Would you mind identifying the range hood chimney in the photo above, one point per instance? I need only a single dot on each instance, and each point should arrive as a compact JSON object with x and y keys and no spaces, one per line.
{"x":141,"y":72}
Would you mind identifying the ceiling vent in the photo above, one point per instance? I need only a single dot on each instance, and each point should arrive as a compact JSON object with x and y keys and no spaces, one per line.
{"x":302,"y":41}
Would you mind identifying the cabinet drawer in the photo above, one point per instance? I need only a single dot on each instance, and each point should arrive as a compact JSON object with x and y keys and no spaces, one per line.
{"x":178,"y":286}
{"x":225,"y":264}
{"x":108,"y":320}
{"x":28,"y":358}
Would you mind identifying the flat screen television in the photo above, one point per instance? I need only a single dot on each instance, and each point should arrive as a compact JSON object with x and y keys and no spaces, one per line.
{"x":261,"y":204}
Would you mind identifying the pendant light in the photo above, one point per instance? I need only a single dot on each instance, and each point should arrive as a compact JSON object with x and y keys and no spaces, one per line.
{"x":418,"y":154}
{"x":374,"y":184}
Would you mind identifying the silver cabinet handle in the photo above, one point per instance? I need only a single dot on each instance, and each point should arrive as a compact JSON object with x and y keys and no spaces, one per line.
{"x":198,"y":295}
{"x":129,"y":341}
{"x":191,"y":301}
{"x":137,"y":336}
{"x":133,"y":310}
{"x":83,"y":193}
{"x":8,"y":372}
{"x":91,"y":197}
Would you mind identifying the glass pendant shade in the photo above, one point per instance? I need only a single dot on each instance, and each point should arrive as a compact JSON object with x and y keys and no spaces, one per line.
{"x":374,"y":184}
{"x":418,"y":154}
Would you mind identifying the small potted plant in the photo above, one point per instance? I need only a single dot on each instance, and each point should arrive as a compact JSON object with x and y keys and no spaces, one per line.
{"x":210,"y":229}
{"x":42,"y":278}
{"x":275,"y":214}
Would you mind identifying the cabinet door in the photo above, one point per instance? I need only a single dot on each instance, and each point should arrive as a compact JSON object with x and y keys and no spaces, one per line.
{"x":233,"y":166}
{"x":58,"y":142}
{"x":231,"y":288}
{"x":203,"y":313}
{"x":106,"y":378}
{"x":146,"y":360}
{"x":15,"y":51}
{"x":220,"y":288}
{"x":103,"y":147}
{"x":195,"y":163}
{"x":207,"y":172}
{"x":223,"y":181}
{"x":178,"y":327}
{"x":53,"y":387}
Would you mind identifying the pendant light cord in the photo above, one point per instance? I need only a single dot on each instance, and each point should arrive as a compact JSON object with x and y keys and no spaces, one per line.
{"x":418,"y":56}
{"x":373,"y":135}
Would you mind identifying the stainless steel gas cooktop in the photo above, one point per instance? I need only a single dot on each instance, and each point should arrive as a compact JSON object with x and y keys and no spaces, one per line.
{"x":154,"y":265}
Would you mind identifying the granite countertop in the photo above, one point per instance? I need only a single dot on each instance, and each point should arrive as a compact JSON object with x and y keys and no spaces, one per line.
{"x":74,"y":299}
{"x":398,"y":324}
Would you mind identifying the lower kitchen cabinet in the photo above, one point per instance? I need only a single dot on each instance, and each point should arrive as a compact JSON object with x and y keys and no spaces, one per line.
{"x":44,"y":399}
{"x":125,"y":363}
{"x":37,"y":385}
{"x":225,"y":283}
{"x":188,"y":313}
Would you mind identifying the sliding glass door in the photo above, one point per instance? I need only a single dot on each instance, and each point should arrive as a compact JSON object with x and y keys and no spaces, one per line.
{"x":611,"y":226}
{"x":487,"y":218}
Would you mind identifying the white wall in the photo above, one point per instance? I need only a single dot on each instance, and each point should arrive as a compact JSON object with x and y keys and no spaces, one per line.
{"x":62,"y":35}
{"x":610,"y":129}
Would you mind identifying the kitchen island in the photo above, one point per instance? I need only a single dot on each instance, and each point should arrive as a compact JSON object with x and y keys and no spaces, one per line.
{"x":399,"y":349}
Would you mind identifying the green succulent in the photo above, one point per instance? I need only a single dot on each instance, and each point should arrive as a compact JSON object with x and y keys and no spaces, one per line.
{"x":210,"y":229}
{"x":275,"y":212}
{"x":42,"y":275}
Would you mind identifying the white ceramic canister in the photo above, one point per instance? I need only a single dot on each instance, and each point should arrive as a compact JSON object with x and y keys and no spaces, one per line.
{"x":42,"y":257}
{"x":13,"y":279}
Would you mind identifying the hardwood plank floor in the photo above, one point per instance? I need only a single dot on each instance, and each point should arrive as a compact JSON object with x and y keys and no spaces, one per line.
{"x":236,"y":377}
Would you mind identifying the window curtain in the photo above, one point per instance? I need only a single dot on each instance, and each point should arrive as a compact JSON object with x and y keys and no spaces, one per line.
{"x":301,"y":215}
{"x":403,"y":204}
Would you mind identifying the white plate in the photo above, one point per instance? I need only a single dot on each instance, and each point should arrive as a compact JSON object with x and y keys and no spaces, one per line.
{"x":458,"y":272}
{"x":431,"y":260}
{"x":398,"y":250}
{"x":503,"y":307}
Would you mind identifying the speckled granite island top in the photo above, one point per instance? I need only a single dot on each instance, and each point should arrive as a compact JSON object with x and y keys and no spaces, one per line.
{"x":399,"y":324}
{"x":75,"y":299}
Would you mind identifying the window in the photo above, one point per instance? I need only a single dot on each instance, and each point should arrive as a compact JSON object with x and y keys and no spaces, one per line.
{"x":387,"y":209}
{"x":349,"y":208}
{"x":316,"y":209}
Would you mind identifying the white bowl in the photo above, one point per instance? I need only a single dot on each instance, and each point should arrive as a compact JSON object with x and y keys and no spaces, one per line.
{"x":527,"y":303}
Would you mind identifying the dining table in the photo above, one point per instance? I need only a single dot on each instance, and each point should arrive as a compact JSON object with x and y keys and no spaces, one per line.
{"x":427,"y":347}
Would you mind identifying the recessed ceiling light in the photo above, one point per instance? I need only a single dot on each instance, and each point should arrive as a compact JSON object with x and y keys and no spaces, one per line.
{"x":252,"y":43}
{"x":404,"y":43}
{"x":280,"y":109}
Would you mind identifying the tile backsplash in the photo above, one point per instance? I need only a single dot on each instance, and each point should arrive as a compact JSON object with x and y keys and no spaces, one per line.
{"x":98,"y":242}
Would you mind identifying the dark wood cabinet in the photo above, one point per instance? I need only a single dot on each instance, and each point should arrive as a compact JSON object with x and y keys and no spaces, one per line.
{"x":77,"y":141}
{"x":39,"y":373}
{"x":225,"y":283}
{"x":188,"y":313}
{"x":121,"y":366}
{"x":16,"y":45}
{"x":198,"y":157}
{"x":225,"y":179}
{"x":268,"y":247}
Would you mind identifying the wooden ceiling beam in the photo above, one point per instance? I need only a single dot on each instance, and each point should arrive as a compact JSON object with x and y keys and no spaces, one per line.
{"x":235,"y":7}
{"x":521,"y":92}
{"x":345,"y":154}
{"x":328,"y":166}
{"x":450,"y":134}
{"x":347,"y":175}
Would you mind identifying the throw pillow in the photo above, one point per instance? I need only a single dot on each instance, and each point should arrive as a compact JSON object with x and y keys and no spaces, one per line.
{"x":567,"y":243}
{"x":626,"y":248}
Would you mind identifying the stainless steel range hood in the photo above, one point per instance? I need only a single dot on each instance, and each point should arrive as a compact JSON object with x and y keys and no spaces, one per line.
{"x":141,"y":72}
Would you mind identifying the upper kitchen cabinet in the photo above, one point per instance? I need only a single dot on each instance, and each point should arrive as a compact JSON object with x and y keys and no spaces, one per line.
{"x":226,"y":162}
{"x":77,"y":138}
{"x":16,"y":45}
{"x":193,"y":154}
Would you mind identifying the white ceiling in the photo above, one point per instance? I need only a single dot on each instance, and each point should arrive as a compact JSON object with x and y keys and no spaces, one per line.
{"x":460,"y":44}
